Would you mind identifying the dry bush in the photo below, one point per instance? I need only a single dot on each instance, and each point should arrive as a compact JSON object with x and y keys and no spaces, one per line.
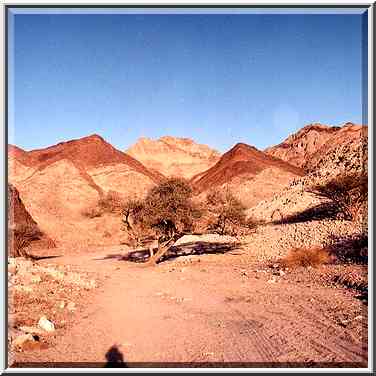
{"x":226,"y":213}
{"x":348,"y":192}
{"x":111,"y":202}
{"x":20,"y":237}
{"x":349,"y":249}
{"x":306,"y":257}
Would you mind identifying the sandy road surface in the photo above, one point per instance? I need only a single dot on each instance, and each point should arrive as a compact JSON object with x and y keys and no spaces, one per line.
{"x":215,"y":310}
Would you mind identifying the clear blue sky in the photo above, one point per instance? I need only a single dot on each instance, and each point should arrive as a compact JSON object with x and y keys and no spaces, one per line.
{"x":217,"y":78}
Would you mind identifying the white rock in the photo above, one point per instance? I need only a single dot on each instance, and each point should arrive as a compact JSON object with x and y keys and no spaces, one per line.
{"x":45,"y":324}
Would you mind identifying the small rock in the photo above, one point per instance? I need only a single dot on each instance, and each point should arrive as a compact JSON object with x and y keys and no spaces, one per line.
{"x":45,"y":324}
{"x":62,"y":305}
{"x":281,"y":273}
{"x":273,"y":280}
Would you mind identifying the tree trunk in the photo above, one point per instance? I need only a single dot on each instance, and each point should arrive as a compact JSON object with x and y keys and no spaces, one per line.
{"x":162,"y":249}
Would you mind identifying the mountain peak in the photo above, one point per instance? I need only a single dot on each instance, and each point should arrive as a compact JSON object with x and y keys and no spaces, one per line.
{"x":174,"y":156}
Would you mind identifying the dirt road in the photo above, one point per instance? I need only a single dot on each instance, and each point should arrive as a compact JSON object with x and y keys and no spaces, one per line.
{"x":210,"y":311}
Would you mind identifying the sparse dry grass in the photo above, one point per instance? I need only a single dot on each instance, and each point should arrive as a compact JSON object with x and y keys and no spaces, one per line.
{"x":305,"y":257}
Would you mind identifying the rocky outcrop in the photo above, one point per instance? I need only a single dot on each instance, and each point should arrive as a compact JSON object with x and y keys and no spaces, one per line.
{"x":24,"y":233}
{"x":305,"y":147}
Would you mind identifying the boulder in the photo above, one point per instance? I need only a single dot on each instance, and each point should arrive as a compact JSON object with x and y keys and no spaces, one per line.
{"x":46,"y":325}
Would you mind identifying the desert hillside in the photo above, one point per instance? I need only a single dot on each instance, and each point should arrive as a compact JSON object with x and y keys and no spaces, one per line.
{"x":305,"y":147}
{"x":173,"y":156}
{"x":57,"y":183}
{"x":344,"y":154}
{"x":249,"y":173}
{"x":22,"y":227}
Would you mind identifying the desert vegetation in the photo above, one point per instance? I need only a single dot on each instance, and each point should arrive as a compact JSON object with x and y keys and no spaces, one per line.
{"x":304,"y":257}
{"x":166,"y":213}
{"x":110,"y":202}
{"x":20,"y":236}
{"x":349,"y":192}
{"x":226,"y":214}
{"x":169,"y":212}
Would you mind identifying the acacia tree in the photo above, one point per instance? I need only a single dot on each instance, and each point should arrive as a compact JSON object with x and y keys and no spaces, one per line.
{"x":167,"y":212}
{"x":348,"y":191}
{"x":227,"y":212}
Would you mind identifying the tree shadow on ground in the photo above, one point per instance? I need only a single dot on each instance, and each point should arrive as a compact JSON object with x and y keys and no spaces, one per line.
{"x":115,"y":358}
{"x":349,"y":249}
{"x":186,"y":249}
{"x":326,"y":210}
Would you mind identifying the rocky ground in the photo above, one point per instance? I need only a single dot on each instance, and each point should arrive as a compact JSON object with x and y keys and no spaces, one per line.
{"x":43,"y":300}
{"x":234,"y":307}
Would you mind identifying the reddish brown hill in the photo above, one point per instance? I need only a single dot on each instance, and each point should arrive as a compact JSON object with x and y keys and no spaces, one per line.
{"x":242,"y":159}
{"x":88,"y":152}
{"x":22,"y":156}
{"x":311,"y":141}
{"x":20,"y":222}
{"x":57,"y":184}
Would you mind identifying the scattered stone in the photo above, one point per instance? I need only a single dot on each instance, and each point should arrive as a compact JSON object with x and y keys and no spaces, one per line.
{"x":31,"y":330}
{"x":23,"y":288}
{"x":273,"y":280}
{"x":281,"y":273}
{"x":45,"y":324}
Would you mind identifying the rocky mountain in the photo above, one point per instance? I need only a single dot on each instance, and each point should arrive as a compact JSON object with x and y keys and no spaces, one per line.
{"x":173,"y":156}
{"x":248,"y":172}
{"x":58,"y":182}
{"x":311,"y":142}
{"x":346,"y":152}
{"x":22,"y":227}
